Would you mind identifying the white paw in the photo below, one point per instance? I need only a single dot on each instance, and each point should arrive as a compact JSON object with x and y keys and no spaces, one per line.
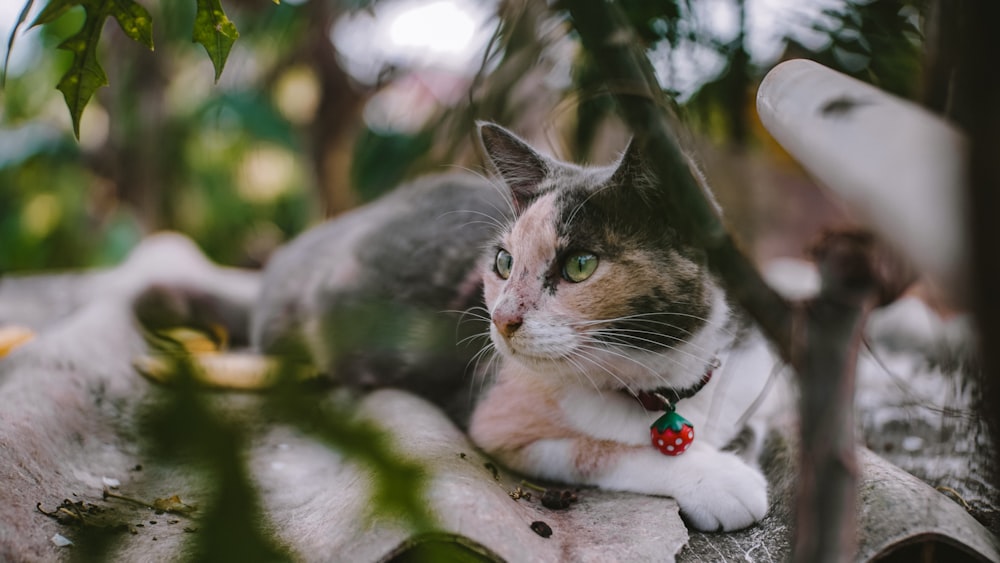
{"x":728,"y":495}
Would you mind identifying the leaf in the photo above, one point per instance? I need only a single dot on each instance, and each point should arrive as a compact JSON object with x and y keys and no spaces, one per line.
{"x":53,"y":10}
{"x":215,"y":32}
{"x":173,"y":504}
{"x":134,"y":20}
{"x":10,"y":41}
{"x":85,"y":74}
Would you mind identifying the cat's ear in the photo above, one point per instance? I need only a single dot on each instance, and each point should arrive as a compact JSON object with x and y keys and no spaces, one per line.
{"x":633,"y":172}
{"x":519,"y":165}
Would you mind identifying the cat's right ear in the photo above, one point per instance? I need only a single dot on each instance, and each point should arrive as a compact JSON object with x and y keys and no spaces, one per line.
{"x":519,"y":165}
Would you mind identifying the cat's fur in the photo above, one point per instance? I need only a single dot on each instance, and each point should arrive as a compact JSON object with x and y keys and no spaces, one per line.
{"x":570,"y":354}
{"x":377,"y":297}
{"x":575,"y":354}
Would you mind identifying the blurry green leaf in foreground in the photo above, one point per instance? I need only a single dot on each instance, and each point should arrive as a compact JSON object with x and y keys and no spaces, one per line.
{"x":10,"y":40}
{"x":214,"y":31}
{"x":134,"y":20}
{"x":85,"y":74}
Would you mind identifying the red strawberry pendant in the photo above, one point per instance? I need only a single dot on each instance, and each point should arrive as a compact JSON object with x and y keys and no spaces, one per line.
{"x":671,"y":433}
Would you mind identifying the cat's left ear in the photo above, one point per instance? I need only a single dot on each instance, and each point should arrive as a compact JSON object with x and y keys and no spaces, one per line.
{"x":519,"y":165}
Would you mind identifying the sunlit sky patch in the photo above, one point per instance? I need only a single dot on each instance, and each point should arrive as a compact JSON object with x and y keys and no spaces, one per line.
{"x":449,"y":37}
{"x":443,"y":34}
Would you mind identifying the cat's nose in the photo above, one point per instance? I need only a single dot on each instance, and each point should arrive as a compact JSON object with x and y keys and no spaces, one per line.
{"x":507,"y":325}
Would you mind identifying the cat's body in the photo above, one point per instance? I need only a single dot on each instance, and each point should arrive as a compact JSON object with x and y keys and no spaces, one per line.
{"x":376,"y":297}
{"x":592,"y":301}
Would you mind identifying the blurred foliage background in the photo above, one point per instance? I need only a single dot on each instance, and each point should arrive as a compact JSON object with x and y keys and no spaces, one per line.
{"x":325,"y":104}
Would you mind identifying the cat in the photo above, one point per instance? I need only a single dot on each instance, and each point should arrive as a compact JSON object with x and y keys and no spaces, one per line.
{"x":596,"y":306}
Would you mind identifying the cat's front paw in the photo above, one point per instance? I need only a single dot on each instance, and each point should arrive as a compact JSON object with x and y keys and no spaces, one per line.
{"x":729,"y":495}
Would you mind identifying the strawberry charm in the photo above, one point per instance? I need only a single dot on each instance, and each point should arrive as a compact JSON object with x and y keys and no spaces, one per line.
{"x":671,"y":433}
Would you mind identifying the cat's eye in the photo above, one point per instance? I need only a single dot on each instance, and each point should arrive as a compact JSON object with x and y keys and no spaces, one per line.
{"x":579,"y":266}
{"x":504,"y":262}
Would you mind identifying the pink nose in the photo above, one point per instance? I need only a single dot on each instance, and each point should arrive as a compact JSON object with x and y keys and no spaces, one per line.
{"x":507,"y":325}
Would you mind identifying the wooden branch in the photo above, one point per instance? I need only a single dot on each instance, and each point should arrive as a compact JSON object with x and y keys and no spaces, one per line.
{"x":830,"y":330}
{"x":613,"y":44}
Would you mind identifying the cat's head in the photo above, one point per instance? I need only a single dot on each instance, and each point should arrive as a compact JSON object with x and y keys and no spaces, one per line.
{"x":589,"y":282}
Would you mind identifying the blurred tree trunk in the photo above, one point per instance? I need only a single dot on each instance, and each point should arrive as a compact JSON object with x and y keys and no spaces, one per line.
{"x":941,"y":50}
{"x":139,"y":153}
{"x":738,"y":82}
{"x":977,"y":108}
{"x":337,"y":121}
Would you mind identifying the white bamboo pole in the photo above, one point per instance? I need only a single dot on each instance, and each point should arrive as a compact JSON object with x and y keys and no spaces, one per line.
{"x":897,"y":167}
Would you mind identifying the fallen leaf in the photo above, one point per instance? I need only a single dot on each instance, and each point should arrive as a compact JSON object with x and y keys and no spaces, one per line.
{"x":173,"y":504}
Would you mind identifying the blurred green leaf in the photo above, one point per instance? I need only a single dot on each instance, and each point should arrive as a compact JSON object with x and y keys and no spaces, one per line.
{"x":85,"y":74}
{"x":53,"y":10}
{"x":214,"y":31}
{"x":10,"y":41}
{"x":135,"y":21}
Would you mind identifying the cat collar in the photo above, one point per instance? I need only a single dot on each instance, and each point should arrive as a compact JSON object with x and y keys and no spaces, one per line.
{"x":671,"y":433}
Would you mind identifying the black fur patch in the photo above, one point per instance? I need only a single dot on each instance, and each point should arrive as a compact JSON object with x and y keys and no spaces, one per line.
{"x":620,"y":226}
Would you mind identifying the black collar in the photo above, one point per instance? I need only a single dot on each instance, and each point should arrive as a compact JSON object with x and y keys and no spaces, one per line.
{"x":663,"y":398}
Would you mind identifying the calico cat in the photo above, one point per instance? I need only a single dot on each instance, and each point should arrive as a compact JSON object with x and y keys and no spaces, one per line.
{"x":603,"y":318}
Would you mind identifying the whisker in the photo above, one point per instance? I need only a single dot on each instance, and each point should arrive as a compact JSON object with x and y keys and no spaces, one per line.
{"x":604,"y":349}
{"x":582,"y":371}
{"x":494,"y":183}
{"x":495,"y":222}
{"x":467,"y":339}
{"x":619,"y":334}
{"x":617,"y":341}
{"x":473,"y":312}
{"x":579,"y":207}
{"x":642,"y":318}
{"x":594,"y":361}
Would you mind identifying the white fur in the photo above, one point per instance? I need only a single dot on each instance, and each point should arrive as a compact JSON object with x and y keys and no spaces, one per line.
{"x":715,"y":489}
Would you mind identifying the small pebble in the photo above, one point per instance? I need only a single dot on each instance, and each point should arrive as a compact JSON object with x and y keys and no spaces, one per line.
{"x":61,"y":541}
{"x":111,"y":483}
{"x":913,"y":443}
{"x":541,"y":528}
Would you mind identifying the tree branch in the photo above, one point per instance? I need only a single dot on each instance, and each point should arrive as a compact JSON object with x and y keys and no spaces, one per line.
{"x":819,"y":338}
{"x":610,"y":40}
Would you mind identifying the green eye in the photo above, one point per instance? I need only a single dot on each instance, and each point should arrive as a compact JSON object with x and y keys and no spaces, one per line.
{"x":504,"y":263}
{"x":579,"y":266}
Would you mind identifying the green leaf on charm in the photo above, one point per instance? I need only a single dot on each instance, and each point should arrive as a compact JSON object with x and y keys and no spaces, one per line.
{"x":214,"y":31}
{"x":670,"y":420}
